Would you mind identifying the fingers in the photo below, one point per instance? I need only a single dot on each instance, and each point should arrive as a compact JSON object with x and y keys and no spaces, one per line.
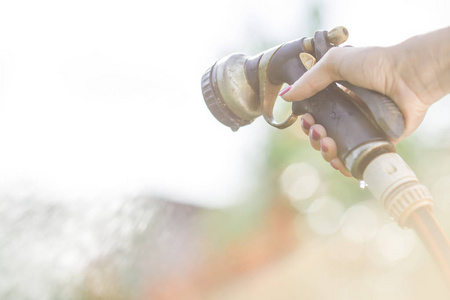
{"x":320,"y":141}
{"x":307,"y":121}
{"x":328,"y":148}
{"x":316,"y":133}
{"x":338,"y":165}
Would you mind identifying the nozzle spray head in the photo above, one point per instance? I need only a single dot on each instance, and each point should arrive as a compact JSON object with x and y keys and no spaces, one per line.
{"x":228,"y":94}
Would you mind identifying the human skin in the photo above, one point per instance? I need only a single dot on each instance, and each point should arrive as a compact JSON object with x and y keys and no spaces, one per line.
{"x":414,"y":74}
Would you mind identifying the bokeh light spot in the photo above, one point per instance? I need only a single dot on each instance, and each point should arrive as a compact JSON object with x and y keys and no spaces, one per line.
{"x":395,"y":243}
{"x":359,"y":224}
{"x":326,"y":220}
{"x":299,"y":181}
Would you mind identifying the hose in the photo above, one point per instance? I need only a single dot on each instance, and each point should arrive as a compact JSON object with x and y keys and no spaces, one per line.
{"x":425,"y":224}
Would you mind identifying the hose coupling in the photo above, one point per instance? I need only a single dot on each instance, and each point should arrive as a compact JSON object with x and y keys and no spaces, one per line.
{"x":396,"y":186}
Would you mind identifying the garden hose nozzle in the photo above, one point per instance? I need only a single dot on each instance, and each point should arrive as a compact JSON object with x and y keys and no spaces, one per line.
{"x":238,"y":88}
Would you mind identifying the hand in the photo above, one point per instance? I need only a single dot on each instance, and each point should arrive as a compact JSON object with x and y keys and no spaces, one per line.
{"x":414,"y":74}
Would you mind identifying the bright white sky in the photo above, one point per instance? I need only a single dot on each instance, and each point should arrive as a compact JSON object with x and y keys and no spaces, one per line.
{"x":103,"y":98}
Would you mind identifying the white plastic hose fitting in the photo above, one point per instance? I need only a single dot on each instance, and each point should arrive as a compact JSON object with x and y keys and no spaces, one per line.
{"x":395,"y":185}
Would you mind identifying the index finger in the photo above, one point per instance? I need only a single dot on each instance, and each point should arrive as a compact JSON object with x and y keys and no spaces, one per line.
{"x":316,"y":79}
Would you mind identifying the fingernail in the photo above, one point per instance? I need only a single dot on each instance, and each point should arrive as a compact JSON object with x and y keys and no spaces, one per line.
{"x":324,"y":148}
{"x":285,"y":90}
{"x":305,"y":125}
{"x":333,"y":165}
{"x":315,"y":135}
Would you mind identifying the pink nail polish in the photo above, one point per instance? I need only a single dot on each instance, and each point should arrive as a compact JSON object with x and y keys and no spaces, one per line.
{"x":285,"y":90}
{"x":315,"y":135}
{"x":305,"y":125}
{"x":324,"y":148}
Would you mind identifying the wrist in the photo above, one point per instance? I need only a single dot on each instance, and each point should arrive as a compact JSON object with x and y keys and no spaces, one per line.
{"x":442,"y":59}
{"x":423,"y":65}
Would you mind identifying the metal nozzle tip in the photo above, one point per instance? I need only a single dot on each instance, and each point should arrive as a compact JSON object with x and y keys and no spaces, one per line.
{"x":337,"y":35}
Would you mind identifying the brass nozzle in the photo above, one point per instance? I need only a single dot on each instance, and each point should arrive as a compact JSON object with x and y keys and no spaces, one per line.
{"x":308,"y":44}
{"x":336,"y":36}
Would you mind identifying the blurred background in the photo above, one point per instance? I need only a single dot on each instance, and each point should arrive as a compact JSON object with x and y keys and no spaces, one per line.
{"x":117,"y":183}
